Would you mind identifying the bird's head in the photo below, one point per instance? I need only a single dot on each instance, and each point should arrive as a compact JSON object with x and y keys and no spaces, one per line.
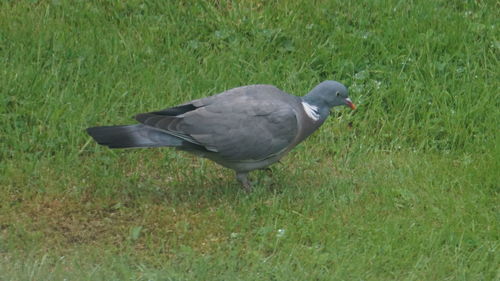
{"x":329,"y":94}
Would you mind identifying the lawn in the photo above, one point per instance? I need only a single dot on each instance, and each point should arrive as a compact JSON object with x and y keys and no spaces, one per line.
{"x":406,"y":187}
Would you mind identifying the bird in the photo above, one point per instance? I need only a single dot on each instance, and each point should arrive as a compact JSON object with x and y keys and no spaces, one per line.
{"x":243,"y":129}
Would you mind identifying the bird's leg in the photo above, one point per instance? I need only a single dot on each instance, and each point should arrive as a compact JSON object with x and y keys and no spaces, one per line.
{"x":268,"y":170}
{"x":242,"y":177}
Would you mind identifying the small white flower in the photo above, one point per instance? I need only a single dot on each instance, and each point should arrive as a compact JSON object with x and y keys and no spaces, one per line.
{"x":362,"y":75}
{"x":281,"y":232}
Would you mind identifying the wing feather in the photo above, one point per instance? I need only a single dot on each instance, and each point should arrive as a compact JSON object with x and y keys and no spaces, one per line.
{"x":246,"y":123}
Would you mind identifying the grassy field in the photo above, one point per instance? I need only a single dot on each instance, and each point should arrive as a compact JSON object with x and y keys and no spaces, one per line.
{"x":404,"y":188}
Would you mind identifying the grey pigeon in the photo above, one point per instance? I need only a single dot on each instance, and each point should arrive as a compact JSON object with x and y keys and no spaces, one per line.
{"x":244,"y":129}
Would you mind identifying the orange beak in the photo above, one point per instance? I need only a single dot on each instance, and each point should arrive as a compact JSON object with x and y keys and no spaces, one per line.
{"x":349,"y":103}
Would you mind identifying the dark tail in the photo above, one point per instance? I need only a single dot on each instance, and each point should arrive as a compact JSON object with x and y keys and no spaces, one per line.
{"x":132,"y":136}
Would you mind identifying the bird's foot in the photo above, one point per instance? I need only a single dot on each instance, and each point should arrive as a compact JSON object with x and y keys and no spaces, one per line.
{"x":243,"y":179}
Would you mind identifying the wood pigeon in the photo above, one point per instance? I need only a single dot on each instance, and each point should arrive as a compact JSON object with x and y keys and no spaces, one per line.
{"x":244,"y":129}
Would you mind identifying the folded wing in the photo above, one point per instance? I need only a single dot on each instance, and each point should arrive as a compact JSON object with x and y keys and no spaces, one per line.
{"x":246,"y":123}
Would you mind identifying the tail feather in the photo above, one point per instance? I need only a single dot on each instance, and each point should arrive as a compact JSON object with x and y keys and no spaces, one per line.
{"x":132,"y":136}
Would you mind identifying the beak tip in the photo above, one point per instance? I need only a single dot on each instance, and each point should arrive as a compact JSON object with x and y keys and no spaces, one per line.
{"x":350,"y":104}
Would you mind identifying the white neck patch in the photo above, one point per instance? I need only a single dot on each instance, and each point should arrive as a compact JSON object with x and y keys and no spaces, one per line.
{"x":311,"y":111}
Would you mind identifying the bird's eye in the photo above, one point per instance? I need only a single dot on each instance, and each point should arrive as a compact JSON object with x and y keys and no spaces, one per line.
{"x":337,"y":93}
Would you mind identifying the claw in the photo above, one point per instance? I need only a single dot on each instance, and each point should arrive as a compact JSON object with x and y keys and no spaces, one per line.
{"x":242,"y":177}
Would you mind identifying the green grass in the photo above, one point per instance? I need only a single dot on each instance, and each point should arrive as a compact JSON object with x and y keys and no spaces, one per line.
{"x":404,"y":188}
